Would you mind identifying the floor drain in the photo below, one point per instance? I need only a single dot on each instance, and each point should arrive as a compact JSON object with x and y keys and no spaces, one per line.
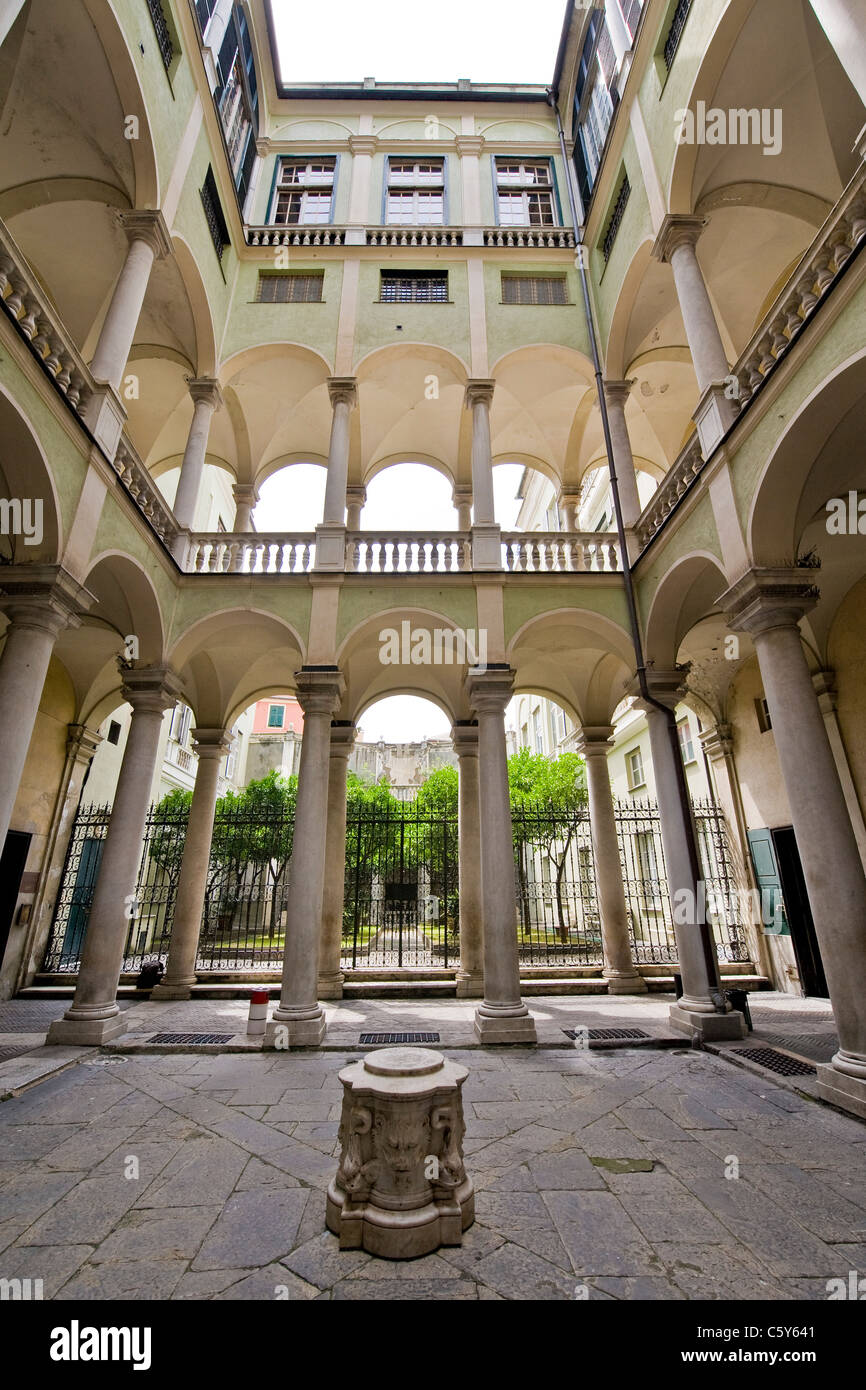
{"x":776,"y":1061}
{"x":399,"y":1037}
{"x":605,"y":1034}
{"x":105,"y":1061}
{"x":193,"y":1039}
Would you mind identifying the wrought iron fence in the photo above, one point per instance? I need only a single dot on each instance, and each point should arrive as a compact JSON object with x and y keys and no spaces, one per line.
{"x":401,"y":904}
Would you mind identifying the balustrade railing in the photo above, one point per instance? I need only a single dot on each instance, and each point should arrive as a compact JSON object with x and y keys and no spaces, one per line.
{"x":405,"y":552}
{"x":535,"y":238}
{"x":843,"y":233}
{"x":560,"y":552}
{"x":281,"y":235}
{"x":38,"y":322}
{"x":277,"y":553}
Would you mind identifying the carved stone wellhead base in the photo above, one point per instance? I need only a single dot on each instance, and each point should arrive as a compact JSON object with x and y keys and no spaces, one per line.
{"x":401,"y":1189}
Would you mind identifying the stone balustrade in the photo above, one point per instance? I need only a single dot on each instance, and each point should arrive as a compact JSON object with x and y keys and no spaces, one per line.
{"x":534,"y":238}
{"x":415,"y":236}
{"x":296,"y":236}
{"x":225,"y":553}
{"x":539,"y":238}
{"x":841,"y":236}
{"x":405,"y":552}
{"x":560,"y":552}
{"x":143,"y":491}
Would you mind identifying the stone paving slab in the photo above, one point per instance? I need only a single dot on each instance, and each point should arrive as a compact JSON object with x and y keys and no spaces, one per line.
{"x":598,"y":1175}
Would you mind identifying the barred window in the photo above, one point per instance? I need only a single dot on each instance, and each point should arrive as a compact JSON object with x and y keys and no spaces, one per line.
{"x":413,"y":288}
{"x":524,"y":191}
{"x":213,"y":212}
{"x":305,"y":191}
{"x":534,"y":289}
{"x":615,"y":218}
{"x":416,"y":192}
{"x":290,"y":288}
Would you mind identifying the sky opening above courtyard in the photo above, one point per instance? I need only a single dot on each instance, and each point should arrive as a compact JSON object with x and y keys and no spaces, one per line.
{"x":501,"y":41}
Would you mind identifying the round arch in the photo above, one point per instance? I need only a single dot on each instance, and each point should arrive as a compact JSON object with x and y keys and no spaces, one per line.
{"x":688,"y":593}
{"x":26,"y":475}
{"x":225,"y":657}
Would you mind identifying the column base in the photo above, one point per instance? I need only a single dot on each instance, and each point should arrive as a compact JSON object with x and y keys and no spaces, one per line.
{"x":330,"y":986}
{"x":166,"y":990}
{"x":842,"y":1089}
{"x":470,"y":984}
{"x":85,"y":1032}
{"x":494,"y":1028}
{"x":284,"y":1033}
{"x":709,"y":1027}
{"x":624,"y":982}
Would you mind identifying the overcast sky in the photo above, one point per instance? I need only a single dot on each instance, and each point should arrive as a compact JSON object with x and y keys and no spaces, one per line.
{"x":419,"y":40}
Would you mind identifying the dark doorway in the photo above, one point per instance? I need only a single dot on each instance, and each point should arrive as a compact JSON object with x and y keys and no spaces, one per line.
{"x":803,"y":936}
{"x":12,"y":862}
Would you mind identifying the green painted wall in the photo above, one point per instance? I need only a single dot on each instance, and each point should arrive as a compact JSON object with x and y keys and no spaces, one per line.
{"x":446,"y":325}
{"x":314,"y":325}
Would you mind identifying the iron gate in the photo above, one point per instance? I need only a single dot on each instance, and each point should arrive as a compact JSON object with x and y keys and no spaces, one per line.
{"x":400,"y":906}
{"x":558,"y":922}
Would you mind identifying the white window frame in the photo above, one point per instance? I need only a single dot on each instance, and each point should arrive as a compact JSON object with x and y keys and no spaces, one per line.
{"x":517,"y":183}
{"x":411,"y":183}
{"x":318,"y":176}
{"x":633,"y":783}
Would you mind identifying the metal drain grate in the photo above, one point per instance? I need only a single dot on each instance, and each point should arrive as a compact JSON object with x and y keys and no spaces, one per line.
{"x":816,"y":1047}
{"x":399,"y":1037}
{"x":776,"y":1061}
{"x":604,"y":1034}
{"x":193,"y":1039}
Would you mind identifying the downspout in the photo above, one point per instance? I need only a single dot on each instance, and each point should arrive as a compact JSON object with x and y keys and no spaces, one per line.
{"x":578,"y":220}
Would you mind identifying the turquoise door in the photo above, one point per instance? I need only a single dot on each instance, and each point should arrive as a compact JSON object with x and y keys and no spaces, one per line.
{"x":767,"y":873}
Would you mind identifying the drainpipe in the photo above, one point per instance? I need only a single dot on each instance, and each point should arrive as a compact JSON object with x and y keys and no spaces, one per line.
{"x":578,"y":218}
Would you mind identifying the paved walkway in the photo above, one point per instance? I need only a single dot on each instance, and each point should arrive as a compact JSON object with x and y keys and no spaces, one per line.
{"x":603,"y":1174}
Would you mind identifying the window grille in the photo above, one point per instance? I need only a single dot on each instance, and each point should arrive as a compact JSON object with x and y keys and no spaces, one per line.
{"x":213,"y":212}
{"x":292,"y":288}
{"x":615,"y":218}
{"x":413,"y":289}
{"x":534,"y":289}
{"x":163,"y":33}
{"x":675,"y":33}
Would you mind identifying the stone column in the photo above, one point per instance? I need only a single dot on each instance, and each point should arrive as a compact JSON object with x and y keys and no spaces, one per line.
{"x":246,"y":497}
{"x":356,"y":499}
{"x":93,"y":1018}
{"x":696,"y":1012}
{"x":486,"y":550}
{"x":344,"y":396}
{"x":299,"y":1020}
{"x":676,"y":244}
{"x":842,"y":22}
{"x":210,"y":745}
{"x":470,"y":976}
{"x":207,"y":398}
{"x":616,"y":393}
{"x":502,"y":1017}
{"x":568,"y":504}
{"x":39,"y":607}
{"x":619,"y":970}
{"x":149,"y":240}
{"x":462,"y":499}
{"x":330,"y":973}
{"x":768,"y":604}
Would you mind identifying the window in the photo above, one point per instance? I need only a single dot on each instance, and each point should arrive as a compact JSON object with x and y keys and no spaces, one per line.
{"x":415,"y":195}
{"x":524,"y":735}
{"x":675,"y":33}
{"x":524,"y":191}
{"x":304,"y":192}
{"x":229,"y":770}
{"x":631,"y":12}
{"x":687,"y":747}
{"x":180,"y":722}
{"x":204,"y":9}
{"x":290,"y":288}
{"x":113,"y":734}
{"x":615,"y":218}
{"x":413,"y":287}
{"x":648,"y":866}
{"x":596,"y":100}
{"x":534,"y":289}
{"x":762,"y":710}
{"x":562,"y":724}
{"x":213,"y":212}
{"x":537,"y":733}
{"x":163,"y":32}
{"x":634,"y":768}
{"x":276,"y":714}
{"x":237,"y":99}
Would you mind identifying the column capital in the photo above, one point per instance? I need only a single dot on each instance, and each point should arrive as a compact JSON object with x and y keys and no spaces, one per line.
{"x":718,"y":742}
{"x":618,"y":392}
{"x":153,"y":689}
{"x":668,"y":687}
{"x":206,"y":389}
{"x":479,"y":391}
{"x":594,"y":740}
{"x":356,"y":493}
{"x":43,"y":597}
{"x":768,"y":598}
{"x":245,"y":493}
{"x":490,"y":690}
{"x":464,"y":736}
{"x":677,"y":230}
{"x":343,"y":735}
{"x":363,"y":144}
{"x":470,"y":144}
{"x":319,"y":689}
{"x":148,"y":225}
{"x":82,"y":743}
{"x":211,"y":743}
{"x":343,"y":390}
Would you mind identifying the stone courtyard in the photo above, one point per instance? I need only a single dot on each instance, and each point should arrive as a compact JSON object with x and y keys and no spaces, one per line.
{"x":650,"y":1171}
